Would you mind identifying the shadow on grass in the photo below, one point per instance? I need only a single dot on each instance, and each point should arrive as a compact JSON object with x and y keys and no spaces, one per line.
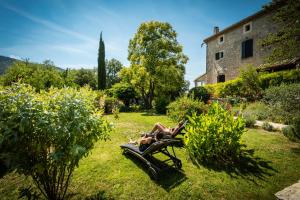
{"x":296,"y":150}
{"x":246,"y":165}
{"x":169,"y":177}
{"x":3,"y":169}
{"x":149,"y":113}
{"x":100,"y":195}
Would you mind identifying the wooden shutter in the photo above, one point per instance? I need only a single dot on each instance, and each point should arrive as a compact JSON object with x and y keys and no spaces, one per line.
{"x":217,"y":56}
{"x":243,"y":49}
{"x":247,"y":48}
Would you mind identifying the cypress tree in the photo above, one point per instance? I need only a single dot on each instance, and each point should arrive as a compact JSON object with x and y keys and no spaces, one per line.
{"x":101,"y":65}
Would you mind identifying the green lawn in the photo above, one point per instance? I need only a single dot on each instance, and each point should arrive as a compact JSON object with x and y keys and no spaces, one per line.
{"x":106,"y":172}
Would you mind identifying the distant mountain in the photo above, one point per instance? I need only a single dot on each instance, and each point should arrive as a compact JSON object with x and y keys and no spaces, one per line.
{"x":5,"y":62}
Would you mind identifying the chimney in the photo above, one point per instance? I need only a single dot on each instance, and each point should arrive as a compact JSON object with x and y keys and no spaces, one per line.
{"x":216,"y":29}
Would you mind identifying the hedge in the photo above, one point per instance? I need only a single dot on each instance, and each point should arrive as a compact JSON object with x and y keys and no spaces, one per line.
{"x":277,"y":78}
{"x":233,"y":87}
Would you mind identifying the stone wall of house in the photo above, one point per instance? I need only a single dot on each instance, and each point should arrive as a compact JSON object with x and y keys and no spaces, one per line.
{"x":232,"y":47}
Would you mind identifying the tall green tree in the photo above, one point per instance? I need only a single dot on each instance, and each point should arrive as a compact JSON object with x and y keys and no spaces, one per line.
{"x":156,"y":61}
{"x":113,"y":66}
{"x":286,"y":42}
{"x":101,"y":65}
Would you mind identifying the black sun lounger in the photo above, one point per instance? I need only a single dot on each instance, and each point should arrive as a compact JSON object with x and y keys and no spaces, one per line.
{"x":147,"y":155}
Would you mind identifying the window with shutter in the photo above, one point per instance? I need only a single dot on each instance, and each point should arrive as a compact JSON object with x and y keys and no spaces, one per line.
{"x":219,"y":55}
{"x":247,"y":48}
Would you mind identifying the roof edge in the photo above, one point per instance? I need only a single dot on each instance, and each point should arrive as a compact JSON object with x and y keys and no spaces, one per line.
{"x":237,"y":24}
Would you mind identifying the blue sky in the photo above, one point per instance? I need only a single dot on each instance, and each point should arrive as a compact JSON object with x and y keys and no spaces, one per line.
{"x":67,"y":31}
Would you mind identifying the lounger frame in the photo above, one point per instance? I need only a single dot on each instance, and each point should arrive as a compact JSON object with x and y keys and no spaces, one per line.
{"x":157,"y":147}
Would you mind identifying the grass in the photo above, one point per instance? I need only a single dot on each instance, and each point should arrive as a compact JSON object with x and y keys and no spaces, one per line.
{"x":274,"y":164}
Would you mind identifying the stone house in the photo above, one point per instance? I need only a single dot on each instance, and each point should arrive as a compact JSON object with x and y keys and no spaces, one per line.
{"x":229,"y":50}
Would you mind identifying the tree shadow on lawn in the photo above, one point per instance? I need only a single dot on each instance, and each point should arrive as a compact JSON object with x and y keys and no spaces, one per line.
{"x":296,"y":150}
{"x":151,"y":114}
{"x":169,"y":177}
{"x":246,"y":165}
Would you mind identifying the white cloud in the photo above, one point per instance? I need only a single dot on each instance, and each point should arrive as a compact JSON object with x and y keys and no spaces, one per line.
{"x":50,"y":24}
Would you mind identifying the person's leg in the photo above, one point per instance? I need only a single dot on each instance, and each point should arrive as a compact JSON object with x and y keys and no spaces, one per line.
{"x":158,"y":127}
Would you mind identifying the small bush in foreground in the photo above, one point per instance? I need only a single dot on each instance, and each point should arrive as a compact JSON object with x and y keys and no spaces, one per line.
{"x":44,"y":135}
{"x":214,"y":136}
{"x":184,"y":106}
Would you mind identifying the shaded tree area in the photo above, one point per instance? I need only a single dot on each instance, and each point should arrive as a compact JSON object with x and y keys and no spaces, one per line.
{"x":285,"y":42}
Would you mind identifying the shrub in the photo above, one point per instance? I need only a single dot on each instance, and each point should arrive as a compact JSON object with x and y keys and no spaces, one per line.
{"x":215,"y":89}
{"x":135,"y":108}
{"x":250,"y":84}
{"x":231,"y":88}
{"x":291,"y":134}
{"x":124,"y":92}
{"x":249,"y":120}
{"x":284,"y":101}
{"x":111,"y":104}
{"x":277,"y":78}
{"x":200,"y":93}
{"x":160,"y":104}
{"x":235,"y":100}
{"x":184,"y":106}
{"x":45,"y":135}
{"x":267,"y":126}
{"x":213,"y":136}
{"x":258,"y":109}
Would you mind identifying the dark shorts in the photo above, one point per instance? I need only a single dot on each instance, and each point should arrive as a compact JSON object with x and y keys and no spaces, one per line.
{"x":143,"y":147}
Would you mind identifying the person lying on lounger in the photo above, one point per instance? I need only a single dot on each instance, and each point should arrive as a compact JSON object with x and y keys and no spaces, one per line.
{"x":145,"y":141}
{"x":158,"y":127}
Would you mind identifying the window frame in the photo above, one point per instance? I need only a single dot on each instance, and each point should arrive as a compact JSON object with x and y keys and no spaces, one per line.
{"x":244,"y":27}
{"x":219,"y":38}
{"x":219,"y":53}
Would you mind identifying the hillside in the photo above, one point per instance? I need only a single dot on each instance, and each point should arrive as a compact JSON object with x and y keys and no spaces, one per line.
{"x":5,"y":62}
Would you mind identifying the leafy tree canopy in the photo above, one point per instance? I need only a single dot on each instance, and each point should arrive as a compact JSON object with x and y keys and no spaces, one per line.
{"x":40,"y":76}
{"x":113,"y":67}
{"x":286,"y":42}
{"x":156,"y":61}
{"x":124,"y":92}
{"x":86,"y":77}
